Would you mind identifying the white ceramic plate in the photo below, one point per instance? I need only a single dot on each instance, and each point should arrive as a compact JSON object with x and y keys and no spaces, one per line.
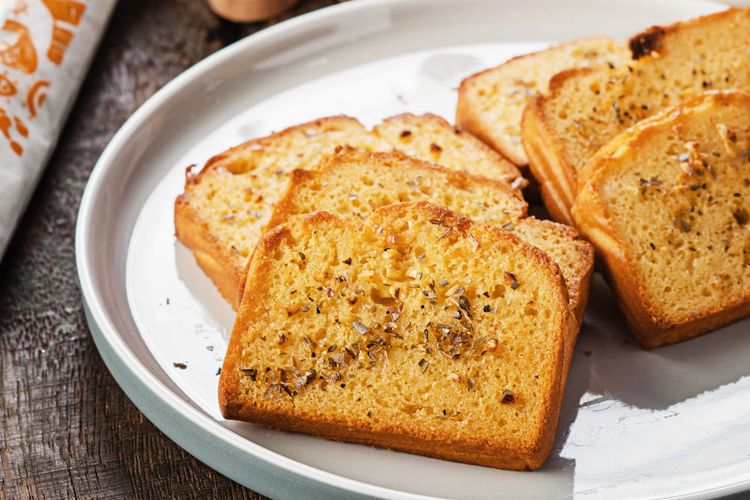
{"x":672,"y":423}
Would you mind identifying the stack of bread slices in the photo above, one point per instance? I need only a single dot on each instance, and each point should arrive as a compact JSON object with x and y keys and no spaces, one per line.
{"x":391,"y":288}
{"x":649,"y":159}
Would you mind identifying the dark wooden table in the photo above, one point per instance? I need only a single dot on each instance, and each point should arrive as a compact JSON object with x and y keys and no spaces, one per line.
{"x":66,"y":428}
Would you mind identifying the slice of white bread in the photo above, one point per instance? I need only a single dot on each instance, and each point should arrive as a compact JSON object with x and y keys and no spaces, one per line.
{"x":667,"y":203}
{"x":491,"y":102}
{"x":226,"y":206}
{"x":432,"y":139}
{"x":402,"y":334}
{"x":351,"y":185}
{"x":585,"y":108}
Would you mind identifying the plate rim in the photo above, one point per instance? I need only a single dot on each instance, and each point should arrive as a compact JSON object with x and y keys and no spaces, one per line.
{"x":153,"y":397}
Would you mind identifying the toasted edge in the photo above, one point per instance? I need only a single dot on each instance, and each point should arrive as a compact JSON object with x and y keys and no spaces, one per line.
{"x":527,"y":457}
{"x":578,"y":292}
{"x":212,"y":257}
{"x":469,"y":121}
{"x":286,"y":205}
{"x":594,"y":221}
{"x":548,"y":161}
{"x":512,"y":176}
{"x":649,"y":42}
{"x":222,"y":265}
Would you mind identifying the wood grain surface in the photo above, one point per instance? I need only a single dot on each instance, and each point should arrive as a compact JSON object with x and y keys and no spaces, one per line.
{"x":66,"y":428}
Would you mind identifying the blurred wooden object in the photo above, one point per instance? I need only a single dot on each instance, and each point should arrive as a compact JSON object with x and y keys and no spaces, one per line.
{"x":249,"y":10}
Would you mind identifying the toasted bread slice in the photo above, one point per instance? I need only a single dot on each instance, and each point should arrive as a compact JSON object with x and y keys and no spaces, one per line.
{"x":491,"y":102}
{"x":352,"y":185}
{"x":401,"y":334}
{"x":432,"y":139}
{"x":225,"y":207}
{"x":585,"y":108}
{"x":667,"y":203}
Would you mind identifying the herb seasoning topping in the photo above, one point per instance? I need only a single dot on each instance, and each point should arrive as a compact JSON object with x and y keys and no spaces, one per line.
{"x":361,"y":328}
{"x":465,"y":305}
{"x":511,"y":278}
{"x":423,"y":364}
{"x":250,"y":372}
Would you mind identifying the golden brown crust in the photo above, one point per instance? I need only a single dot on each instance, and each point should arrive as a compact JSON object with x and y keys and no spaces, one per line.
{"x":547,"y":159}
{"x":224,"y":266}
{"x":488,"y":450}
{"x":594,"y":220}
{"x":287,"y":204}
{"x":469,"y":119}
{"x":579,"y":285}
{"x":651,"y":41}
{"x":224,"y":158}
{"x":506,"y":170}
{"x":390,"y":437}
{"x":210,"y":254}
{"x":550,"y":155}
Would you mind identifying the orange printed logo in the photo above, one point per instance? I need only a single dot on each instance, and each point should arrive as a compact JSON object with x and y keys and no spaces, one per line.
{"x":20,"y":62}
{"x":21,"y":55}
{"x":63,"y":12}
{"x":6,"y":86}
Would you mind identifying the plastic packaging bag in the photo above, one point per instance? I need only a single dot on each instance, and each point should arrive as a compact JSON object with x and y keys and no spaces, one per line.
{"x":45,"y":49}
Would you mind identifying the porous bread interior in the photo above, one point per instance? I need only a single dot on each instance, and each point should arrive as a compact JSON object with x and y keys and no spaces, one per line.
{"x":491,"y":102}
{"x":432,"y":139}
{"x":225,"y":207}
{"x":568,"y":250}
{"x":236,"y":192}
{"x":352,"y":185}
{"x":588,"y":109}
{"x":399,"y":329}
{"x":675,"y":195}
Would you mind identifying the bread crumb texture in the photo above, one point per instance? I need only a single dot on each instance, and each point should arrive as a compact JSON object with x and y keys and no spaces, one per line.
{"x":227,"y":205}
{"x":351,"y":185}
{"x":491,"y":102}
{"x":432,"y":139}
{"x":419,"y":330}
{"x":238,"y":189}
{"x":587,"y":109}
{"x":673,"y":194}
